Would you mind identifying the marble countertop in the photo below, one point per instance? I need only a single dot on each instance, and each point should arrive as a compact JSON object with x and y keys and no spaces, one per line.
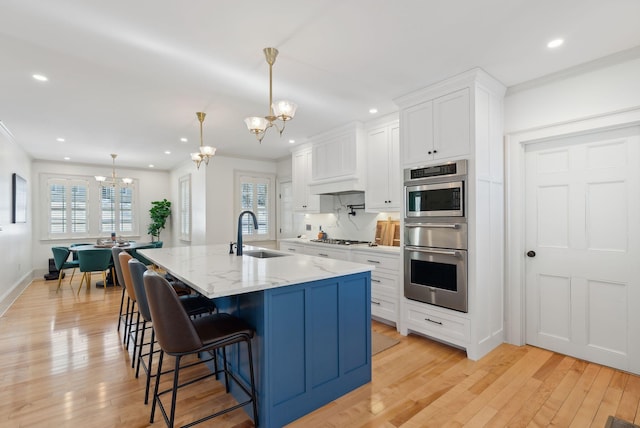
{"x":378,"y":248}
{"x":213,"y":272}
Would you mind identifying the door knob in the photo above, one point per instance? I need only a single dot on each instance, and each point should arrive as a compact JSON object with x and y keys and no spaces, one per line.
{"x":531,"y":253}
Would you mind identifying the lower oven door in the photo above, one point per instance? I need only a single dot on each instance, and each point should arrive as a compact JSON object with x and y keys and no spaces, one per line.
{"x":436,"y":276}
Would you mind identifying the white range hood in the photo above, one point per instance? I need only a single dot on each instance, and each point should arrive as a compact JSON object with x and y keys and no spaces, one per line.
{"x":338,"y":161}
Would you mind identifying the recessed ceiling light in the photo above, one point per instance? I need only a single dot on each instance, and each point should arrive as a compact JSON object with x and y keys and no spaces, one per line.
{"x":151,"y":165}
{"x":167,"y":152}
{"x":40,"y":77}
{"x":184,"y":140}
{"x":292,"y":141}
{"x":555,"y":43}
{"x":60,"y":139}
{"x":373,"y":110}
{"x":67,"y":158}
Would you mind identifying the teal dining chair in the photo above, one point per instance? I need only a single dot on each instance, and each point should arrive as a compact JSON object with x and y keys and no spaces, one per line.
{"x":74,"y":256}
{"x":143,"y":259}
{"x":94,"y":260}
{"x":60,"y":256}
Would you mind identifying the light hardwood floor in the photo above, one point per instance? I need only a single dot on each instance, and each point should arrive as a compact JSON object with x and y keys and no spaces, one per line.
{"x":62,"y":364}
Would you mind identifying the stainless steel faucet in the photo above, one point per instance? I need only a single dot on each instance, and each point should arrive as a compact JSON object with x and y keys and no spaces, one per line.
{"x":255,"y":226}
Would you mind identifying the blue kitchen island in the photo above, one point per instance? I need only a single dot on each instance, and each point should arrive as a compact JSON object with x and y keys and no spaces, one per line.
{"x":311,"y":316}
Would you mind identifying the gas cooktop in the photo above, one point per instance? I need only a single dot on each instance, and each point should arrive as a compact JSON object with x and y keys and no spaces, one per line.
{"x":339,"y":241}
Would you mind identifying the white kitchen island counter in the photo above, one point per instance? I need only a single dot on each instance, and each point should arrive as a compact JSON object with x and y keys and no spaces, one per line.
{"x":312,"y":318}
{"x":213,"y":272}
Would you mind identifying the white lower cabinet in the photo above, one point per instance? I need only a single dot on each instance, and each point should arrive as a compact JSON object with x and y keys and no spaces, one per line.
{"x":383,"y":306}
{"x":325,"y":251}
{"x":384,"y":282}
{"x":292,"y":247}
{"x":428,"y":320}
{"x":385,"y":278}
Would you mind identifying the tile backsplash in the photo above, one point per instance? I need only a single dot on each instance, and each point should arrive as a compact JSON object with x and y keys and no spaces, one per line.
{"x":339,"y":224}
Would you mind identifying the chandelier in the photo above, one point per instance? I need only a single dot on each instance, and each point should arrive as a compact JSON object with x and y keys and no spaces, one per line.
{"x":278,"y":111}
{"x":113,"y":181}
{"x":206,"y":152}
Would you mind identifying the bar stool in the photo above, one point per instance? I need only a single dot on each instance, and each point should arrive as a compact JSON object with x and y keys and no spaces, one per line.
{"x":179,"y":336}
{"x":194,"y":305}
{"x":115,"y":251}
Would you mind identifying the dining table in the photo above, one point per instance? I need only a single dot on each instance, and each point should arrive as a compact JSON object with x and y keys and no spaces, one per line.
{"x":127,"y":246}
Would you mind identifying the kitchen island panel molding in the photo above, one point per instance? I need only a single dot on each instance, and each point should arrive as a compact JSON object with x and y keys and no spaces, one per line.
{"x":312,"y":344}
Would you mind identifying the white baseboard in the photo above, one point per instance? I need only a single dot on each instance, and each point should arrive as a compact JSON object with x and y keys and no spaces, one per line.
{"x":9,"y":297}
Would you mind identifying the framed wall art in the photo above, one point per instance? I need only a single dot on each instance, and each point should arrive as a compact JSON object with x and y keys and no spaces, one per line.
{"x":19,"y":199}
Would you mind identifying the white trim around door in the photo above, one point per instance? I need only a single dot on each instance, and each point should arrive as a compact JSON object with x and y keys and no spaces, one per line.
{"x":515,"y":204}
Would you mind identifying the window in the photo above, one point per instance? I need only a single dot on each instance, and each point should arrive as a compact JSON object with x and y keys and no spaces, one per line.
{"x":255,"y":194}
{"x":77,"y":207}
{"x":184,"y":194}
{"x":116,"y":210}
{"x":67,"y":207}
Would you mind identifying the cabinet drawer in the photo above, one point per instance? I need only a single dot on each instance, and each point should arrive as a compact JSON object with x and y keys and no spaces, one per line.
{"x":292,"y":248}
{"x":384,"y":283}
{"x":384,"y":307}
{"x":438,"y":324}
{"x":379,"y":261}
{"x":329,"y":253}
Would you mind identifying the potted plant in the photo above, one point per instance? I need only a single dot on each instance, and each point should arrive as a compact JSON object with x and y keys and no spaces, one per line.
{"x":159,"y":212}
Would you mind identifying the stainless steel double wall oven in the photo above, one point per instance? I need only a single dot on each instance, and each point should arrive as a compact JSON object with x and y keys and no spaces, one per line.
{"x":435,"y":235}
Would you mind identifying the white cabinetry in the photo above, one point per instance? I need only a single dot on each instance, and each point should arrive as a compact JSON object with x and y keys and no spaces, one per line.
{"x":385,"y":280}
{"x":461,"y":118}
{"x":338,"y":163}
{"x":292,"y":247}
{"x":384,"y":185}
{"x":327,"y":251}
{"x":435,"y":129}
{"x":303,"y":201}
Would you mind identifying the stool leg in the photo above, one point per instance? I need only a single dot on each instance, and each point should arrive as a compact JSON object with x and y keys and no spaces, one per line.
{"x":174,"y":393}
{"x":155,"y":389}
{"x":146,"y":390}
{"x":225,"y":368}
{"x":121,"y":306}
{"x":135,"y":341}
{"x":144,"y":326}
{"x":253,"y":384}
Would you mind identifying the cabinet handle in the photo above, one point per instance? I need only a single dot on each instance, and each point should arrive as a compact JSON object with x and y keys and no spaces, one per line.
{"x":432,"y":321}
{"x":434,"y":225}
{"x":292,"y":249}
{"x":323,"y":255}
{"x":373,"y":302}
{"x":375,"y":280}
{"x":435,"y":151}
{"x":373,"y":261}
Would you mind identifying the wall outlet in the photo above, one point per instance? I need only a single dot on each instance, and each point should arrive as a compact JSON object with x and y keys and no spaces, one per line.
{"x":308,"y":227}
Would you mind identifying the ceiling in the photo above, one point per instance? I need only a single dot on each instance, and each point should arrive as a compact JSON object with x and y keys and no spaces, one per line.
{"x":127,"y":77}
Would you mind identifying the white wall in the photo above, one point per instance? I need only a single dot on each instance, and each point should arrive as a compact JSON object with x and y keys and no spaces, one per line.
{"x":606,"y":89}
{"x":153,"y":186}
{"x":214,"y":220}
{"x":15,"y":239}
{"x":222,"y":220}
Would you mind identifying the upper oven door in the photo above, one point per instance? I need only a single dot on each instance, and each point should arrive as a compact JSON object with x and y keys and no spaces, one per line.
{"x":435,"y":200}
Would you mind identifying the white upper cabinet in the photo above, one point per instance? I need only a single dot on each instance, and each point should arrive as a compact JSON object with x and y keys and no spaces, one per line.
{"x":384,"y":185}
{"x":303,"y":201}
{"x":437,"y":129}
{"x":338,"y":160}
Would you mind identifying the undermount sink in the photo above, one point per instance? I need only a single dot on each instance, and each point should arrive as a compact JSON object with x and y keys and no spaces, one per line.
{"x":261,"y":254}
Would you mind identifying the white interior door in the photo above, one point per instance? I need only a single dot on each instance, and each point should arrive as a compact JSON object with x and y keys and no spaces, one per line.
{"x":582,"y":222}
